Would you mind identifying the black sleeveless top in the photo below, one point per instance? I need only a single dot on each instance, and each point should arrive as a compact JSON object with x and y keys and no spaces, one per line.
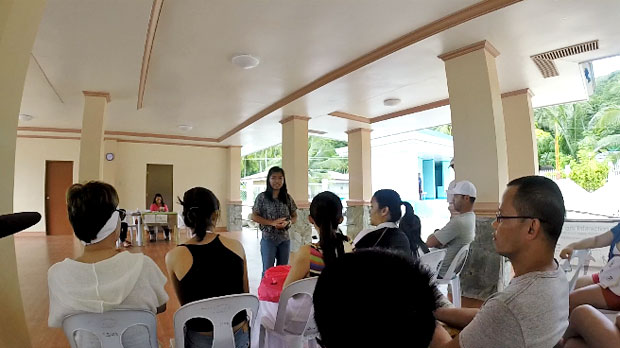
{"x":216,"y":271}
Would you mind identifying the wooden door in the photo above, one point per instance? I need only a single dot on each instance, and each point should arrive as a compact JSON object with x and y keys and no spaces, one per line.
{"x":58,"y":178}
{"x":159,"y":180}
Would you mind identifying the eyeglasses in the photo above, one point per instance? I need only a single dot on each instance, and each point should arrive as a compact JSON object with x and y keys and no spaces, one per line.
{"x":121,"y":214}
{"x":499,"y":217}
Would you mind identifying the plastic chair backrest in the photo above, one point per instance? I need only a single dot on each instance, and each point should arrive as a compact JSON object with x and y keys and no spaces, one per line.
{"x":220,"y":311}
{"x":583,"y":257}
{"x":110,"y":326}
{"x":457,"y":263}
{"x":433,"y":260}
{"x":304,"y":286}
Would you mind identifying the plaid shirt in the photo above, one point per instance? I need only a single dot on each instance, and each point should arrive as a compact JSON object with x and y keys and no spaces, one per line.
{"x":272,"y":210}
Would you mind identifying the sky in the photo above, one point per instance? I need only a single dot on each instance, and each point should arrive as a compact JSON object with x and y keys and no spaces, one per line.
{"x":606,"y":66}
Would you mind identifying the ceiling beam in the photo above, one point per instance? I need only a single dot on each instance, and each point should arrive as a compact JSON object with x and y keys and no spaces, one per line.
{"x":148,"y":48}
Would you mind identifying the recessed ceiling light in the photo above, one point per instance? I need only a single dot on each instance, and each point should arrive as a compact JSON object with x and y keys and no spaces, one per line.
{"x":25,"y":117}
{"x":185,"y":127}
{"x":391,"y":102}
{"x":245,"y":61}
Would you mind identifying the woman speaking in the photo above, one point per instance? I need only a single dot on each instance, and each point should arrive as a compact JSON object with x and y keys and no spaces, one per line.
{"x":275,"y":211}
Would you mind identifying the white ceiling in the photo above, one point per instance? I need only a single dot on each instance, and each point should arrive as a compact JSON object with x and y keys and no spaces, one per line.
{"x":98,"y":46}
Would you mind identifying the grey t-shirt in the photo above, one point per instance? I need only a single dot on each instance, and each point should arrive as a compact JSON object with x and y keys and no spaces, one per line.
{"x":272,"y":209}
{"x":532,"y":312}
{"x":457,"y":233}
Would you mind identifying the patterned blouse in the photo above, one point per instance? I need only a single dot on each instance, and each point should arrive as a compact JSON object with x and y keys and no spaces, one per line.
{"x":272,"y":210}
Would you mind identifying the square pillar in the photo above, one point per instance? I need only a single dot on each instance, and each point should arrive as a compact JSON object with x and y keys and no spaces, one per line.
{"x":234,"y":217}
{"x":480,"y":155}
{"x":360,"y":184}
{"x":521,"y":143}
{"x":19,"y":23}
{"x":91,"y":142}
{"x":295,"y":165}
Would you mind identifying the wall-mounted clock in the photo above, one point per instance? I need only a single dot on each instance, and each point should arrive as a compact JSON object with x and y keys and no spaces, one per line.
{"x":109,"y":156}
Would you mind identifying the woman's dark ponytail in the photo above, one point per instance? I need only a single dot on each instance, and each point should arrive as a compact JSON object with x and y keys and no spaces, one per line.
{"x":326,"y":211}
{"x":199,"y":205}
{"x":411,"y":226}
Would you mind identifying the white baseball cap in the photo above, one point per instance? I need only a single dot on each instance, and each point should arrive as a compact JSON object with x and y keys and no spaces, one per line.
{"x":464,"y":188}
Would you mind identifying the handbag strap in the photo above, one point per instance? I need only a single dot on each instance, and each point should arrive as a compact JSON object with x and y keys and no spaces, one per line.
{"x":381,"y":236}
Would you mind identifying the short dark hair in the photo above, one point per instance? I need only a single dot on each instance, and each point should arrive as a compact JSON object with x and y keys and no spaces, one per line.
{"x":89,"y":207}
{"x":387,"y":296}
{"x":199,"y":204}
{"x":540,"y":197}
{"x":390,"y":199}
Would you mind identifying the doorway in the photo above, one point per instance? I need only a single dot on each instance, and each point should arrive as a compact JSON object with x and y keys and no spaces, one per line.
{"x":58,"y":178}
{"x":159,"y":180}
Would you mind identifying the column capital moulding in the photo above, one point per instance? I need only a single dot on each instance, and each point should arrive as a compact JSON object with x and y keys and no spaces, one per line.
{"x":105,"y":95}
{"x":357,"y":203}
{"x":518,"y":92}
{"x":294,"y":117}
{"x":484,"y":44}
{"x":486,"y":209}
{"x":358,"y":130}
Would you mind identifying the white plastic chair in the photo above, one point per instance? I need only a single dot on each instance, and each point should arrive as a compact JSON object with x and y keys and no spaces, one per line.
{"x":220,"y":311}
{"x":109,"y":326}
{"x":453,"y":275}
{"x":433,"y":260}
{"x":583,"y":257}
{"x":305,"y":330}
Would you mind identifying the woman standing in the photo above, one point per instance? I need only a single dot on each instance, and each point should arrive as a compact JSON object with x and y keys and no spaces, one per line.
{"x":207,"y":266}
{"x":275,"y":211}
{"x":159,"y":206}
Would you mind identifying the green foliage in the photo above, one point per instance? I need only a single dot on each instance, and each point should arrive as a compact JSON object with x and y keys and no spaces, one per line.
{"x":588,"y":172}
{"x":322,"y":157}
{"x":444,"y":128}
{"x":546,"y":151}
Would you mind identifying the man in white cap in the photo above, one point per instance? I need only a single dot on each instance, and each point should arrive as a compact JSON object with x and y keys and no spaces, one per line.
{"x":460,"y":229}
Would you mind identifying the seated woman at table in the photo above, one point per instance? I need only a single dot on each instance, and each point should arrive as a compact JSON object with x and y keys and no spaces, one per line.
{"x":208,"y":265}
{"x":159,"y":206}
{"x":309,"y":260}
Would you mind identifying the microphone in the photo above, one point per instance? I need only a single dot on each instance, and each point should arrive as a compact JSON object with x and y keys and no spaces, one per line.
{"x":16,"y":222}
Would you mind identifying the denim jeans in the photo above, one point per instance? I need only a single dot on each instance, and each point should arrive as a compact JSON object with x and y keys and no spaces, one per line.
{"x":274,"y":252}
{"x":197,"y":340}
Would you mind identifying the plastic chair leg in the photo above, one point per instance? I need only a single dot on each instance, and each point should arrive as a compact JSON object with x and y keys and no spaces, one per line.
{"x":455,"y":284}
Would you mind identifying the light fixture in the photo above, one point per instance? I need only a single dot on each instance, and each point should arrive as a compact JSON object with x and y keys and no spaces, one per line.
{"x":25,"y":117}
{"x":185,"y":127}
{"x":391,"y":102}
{"x":245,"y":61}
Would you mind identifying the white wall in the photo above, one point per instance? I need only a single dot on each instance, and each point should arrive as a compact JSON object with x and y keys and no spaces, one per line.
{"x":192,"y":166}
{"x":30,"y":157}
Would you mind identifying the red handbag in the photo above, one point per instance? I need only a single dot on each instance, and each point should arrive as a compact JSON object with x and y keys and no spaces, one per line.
{"x":271,"y":285}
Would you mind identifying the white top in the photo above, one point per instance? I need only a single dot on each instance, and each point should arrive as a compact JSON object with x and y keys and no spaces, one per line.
{"x":126,"y":280}
{"x":366,"y":231}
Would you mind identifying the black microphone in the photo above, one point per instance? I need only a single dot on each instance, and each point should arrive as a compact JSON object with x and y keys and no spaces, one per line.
{"x":13,"y":223}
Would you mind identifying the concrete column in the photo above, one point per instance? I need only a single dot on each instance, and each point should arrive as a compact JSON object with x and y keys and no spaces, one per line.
{"x":480,"y":154}
{"x":234,"y":189}
{"x":110,"y":166}
{"x":91,"y":142}
{"x":19,"y":22}
{"x":520,"y":134}
{"x":295,"y":165}
{"x":360,"y":184}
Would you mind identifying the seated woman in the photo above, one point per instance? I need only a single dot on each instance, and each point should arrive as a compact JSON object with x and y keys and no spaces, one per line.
{"x":384,"y":215}
{"x":102,"y":278}
{"x":602,"y":290}
{"x":309,"y":260}
{"x":412,"y":228}
{"x":206,"y":266}
{"x":159,"y":206}
{"x":589,"y":328}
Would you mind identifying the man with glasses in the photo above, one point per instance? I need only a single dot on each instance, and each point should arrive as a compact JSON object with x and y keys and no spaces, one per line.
{"x":460,"y":230}
{"x":532,"y":311}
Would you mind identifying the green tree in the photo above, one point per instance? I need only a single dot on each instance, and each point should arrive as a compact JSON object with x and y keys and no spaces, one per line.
{"x":588,"y":172}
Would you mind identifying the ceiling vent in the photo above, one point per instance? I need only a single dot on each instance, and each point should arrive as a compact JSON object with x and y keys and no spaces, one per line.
{"x":544,"y":61}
